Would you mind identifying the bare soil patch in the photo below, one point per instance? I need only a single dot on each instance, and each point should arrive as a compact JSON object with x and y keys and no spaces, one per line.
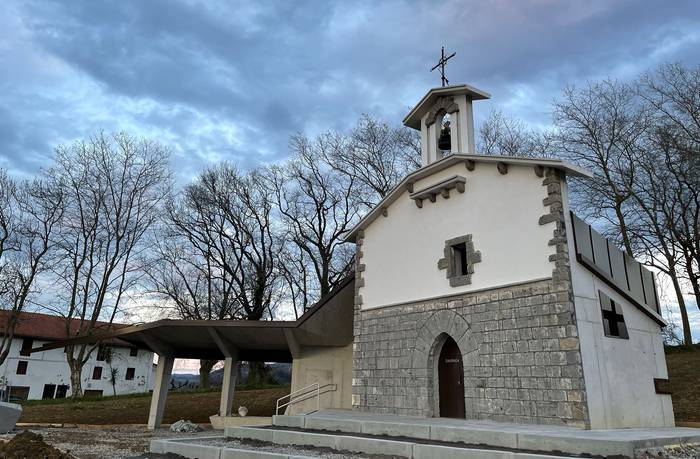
{"x":29,"y":445}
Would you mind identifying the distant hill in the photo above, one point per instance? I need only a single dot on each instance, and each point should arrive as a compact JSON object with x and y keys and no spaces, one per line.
{"x":280,"y":372}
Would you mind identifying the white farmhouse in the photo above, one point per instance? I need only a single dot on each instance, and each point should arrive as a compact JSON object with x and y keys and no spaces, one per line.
{"x":45,"y":374}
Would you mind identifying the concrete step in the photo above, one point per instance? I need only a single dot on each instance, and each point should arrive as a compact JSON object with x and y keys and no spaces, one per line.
{"x":186,"y":447}
{"x":371,"y":445}
{"x":546,"y":439}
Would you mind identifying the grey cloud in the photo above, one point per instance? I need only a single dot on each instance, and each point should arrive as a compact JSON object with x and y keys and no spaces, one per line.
{"x":196,"y":73}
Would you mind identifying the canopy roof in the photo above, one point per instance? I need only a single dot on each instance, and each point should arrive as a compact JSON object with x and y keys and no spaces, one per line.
{"x":328,"y":323}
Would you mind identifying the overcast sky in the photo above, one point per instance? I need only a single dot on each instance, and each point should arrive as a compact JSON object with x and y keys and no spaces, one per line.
{"x":227,"y":80}
{"x":232,"y":80}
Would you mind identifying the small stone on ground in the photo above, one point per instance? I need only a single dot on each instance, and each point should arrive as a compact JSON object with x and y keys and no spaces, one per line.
{"x":185,"y":426}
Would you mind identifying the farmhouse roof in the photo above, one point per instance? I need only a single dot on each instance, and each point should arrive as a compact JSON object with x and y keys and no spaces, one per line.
{"x":50,"y":327}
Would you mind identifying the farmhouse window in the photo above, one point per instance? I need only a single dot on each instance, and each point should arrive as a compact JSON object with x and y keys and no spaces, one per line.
{"x":130,"y":372}
{"x":97,"y":373}
{"x":134,"y":352}
{"x":27,"y":344}
{"x":22,"y":367}
{"x":102,"y":352}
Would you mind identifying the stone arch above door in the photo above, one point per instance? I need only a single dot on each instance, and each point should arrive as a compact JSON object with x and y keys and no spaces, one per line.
{"x":448,"y":322}
{"x":429,"y":342}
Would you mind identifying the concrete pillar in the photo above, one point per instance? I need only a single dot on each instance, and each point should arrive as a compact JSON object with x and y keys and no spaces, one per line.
{"x":228,"y":386}
{"x":160,"y":390}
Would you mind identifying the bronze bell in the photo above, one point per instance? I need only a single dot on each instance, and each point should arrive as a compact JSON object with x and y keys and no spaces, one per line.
{"x":445,"y":141}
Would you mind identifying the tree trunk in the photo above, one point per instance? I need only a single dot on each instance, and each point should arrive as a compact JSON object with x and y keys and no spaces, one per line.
{"x":624,"y":232}
{"x":256,"y":374}
{"x":76,"y":383}
{"x":687,"y":336}
{"x":205,"y":367}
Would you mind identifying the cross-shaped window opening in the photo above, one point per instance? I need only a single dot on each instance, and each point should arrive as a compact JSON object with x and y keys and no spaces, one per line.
{"x":459,"y":258}
{"x":613,"y":320}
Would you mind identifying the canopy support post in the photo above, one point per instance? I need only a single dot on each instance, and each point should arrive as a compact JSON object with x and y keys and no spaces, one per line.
{"x":160,"y":390}
{"x":228,"y":386}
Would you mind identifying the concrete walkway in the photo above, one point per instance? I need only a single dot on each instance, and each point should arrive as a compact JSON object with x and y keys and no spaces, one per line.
{"x":494,"y":434}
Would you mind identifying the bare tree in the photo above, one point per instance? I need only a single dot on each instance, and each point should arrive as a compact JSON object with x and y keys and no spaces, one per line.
{"x":113,"y":187}
{"x":318,"y":205}
{"x":641,"y":141}
{"x":29,"y":215}
{"x":375,"y":155}
{"x":654,"y":211}
{"x":602,"y":127}
{"x":503,"y":135}
{"x":673,"y":94}
{"x":217,"y":252}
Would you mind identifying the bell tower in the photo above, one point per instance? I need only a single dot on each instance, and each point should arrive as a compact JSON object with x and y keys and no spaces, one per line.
{"x":445,"y":119}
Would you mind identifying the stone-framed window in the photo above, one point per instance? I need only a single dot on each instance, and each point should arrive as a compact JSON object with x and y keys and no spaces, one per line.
{"x":459,"y":259}
{"x":613,"y":320}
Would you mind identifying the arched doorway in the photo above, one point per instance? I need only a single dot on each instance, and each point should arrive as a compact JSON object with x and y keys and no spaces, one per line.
{"x":451,"y":381}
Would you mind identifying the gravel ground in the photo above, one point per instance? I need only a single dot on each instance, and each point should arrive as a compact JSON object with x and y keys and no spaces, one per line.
{"x":672,"y":452}
{"x":106,"y":442}
{"x":132,"y":442}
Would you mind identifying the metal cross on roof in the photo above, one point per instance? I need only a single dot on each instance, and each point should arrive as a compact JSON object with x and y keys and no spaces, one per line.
{"x":441,"y":64}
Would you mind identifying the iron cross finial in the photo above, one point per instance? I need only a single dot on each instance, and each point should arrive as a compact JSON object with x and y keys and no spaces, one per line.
{"x":441,"y":65}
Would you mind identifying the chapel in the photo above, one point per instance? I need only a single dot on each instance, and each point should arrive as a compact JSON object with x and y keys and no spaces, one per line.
{"x":480,"y":295}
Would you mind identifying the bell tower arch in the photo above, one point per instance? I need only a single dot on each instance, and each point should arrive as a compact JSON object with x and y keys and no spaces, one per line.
{"x":428,"y":116}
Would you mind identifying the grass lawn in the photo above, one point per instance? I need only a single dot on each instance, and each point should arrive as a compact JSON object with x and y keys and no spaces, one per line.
{"x":133,"y":409}
{"x":683,"y":368}
{"x":684,"y":375}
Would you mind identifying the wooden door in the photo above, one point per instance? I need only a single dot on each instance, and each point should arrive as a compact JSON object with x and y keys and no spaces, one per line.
{"x":451,"y":381}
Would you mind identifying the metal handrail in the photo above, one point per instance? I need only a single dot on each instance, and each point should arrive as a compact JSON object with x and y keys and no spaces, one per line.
{"x":305,"y":393}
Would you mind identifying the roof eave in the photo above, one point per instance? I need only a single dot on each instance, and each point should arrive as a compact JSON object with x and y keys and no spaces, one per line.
{"x":412,"y":119}
{"x":447,"y":161}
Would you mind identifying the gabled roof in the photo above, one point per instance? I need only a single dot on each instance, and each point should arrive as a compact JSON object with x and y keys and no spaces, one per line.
{"x":48,"y":327}
{"x":413,"y":118}
{"x":450,"y":161}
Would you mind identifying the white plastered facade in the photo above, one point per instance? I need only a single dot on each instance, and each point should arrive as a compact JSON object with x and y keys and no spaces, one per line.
{"x":500,"y":211}
{"x":50,"y":367}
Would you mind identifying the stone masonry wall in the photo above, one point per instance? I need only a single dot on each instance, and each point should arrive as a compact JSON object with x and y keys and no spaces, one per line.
{"x":519,"y":345}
